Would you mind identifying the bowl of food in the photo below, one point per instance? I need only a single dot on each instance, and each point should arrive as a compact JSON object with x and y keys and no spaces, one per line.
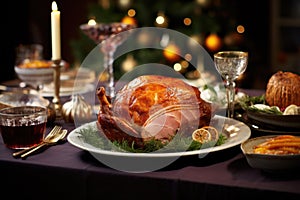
{"x":273,"y":152}
{"x":35,"y":72}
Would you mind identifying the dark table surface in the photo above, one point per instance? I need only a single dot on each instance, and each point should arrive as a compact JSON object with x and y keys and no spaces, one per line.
{"x":66,"y":172}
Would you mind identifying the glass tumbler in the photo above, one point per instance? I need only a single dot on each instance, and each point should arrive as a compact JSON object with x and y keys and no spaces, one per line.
{"x":23,"y":126}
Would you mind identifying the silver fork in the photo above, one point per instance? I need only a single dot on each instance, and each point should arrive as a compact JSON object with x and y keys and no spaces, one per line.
{"x":54,"y":131}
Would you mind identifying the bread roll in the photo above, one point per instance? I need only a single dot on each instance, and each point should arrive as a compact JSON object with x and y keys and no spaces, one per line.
{"x":283,"y":89}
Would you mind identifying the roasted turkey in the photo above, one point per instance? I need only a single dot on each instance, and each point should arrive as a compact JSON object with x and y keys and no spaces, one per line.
{"x":152,"y":107}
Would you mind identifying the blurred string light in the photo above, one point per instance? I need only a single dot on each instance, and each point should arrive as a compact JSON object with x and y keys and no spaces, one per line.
{"x":235,"y":37}
{"x":131,"y":12}
{"x":129,"y":19}
{"x":187,"y":21}
{"x":92,"y":22}
{"x":161,"y":20}
{"x":213,"y":42}
{"x":177,"y":67}
{"x":240,"y":29}
{"x":124,"y":3}
{"x":172,"y":52}
{"x":184,"y":64}
{"x":201,"y":20}
{"x":181,"y":66}
{"x":188,"y":57}
{"x":129,"y":63}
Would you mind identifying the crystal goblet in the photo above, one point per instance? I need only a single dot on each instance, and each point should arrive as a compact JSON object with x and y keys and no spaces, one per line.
{"x":230,"y":65}
{"x":109,"y":35}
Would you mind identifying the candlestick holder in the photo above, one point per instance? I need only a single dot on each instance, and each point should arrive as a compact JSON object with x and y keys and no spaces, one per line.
{"x":56,"y":80}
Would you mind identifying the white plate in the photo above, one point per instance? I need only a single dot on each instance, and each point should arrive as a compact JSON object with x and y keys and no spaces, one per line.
{"x":48,"y":91}
{"x":242,"y":133}
{"x":20,"y":99}
{"x":74,"y":81}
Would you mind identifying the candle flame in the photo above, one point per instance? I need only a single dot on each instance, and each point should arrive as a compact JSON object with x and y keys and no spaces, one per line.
{"x":92,"y":22}
{"x":54,"y":6}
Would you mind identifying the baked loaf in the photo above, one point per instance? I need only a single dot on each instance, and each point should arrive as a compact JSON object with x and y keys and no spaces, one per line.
{"x":283,"y":89}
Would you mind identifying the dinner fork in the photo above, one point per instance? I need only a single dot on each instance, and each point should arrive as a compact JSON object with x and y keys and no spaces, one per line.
{"x":50,"y":141}
{"x":54,"y":131}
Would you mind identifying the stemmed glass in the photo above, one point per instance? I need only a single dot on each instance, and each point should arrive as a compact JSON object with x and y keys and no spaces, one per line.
{"x":230,"y":65}
{"x":109,"y":35}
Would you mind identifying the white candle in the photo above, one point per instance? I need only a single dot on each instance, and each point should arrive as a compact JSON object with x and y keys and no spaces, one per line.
{"x":92,"y":22}
{"x":55,"y":32}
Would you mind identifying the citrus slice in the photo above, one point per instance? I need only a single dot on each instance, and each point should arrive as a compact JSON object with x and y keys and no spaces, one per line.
{"x":205,"y":134}
{"x":292,"y":110}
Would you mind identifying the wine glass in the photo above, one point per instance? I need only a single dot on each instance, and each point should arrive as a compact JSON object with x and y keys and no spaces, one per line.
{"x":230,"y":65}
{"x":109,"y":35}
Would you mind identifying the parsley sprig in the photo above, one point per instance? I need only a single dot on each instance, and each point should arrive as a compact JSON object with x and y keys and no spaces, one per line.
{"x":247,"y":101}
{"x":91,"y":135}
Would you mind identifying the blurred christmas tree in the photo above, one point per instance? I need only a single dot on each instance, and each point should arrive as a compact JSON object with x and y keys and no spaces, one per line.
{"x":212,"y":23}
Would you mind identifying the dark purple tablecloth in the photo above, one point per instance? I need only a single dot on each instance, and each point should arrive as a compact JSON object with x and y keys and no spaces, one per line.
{"x":67,"y":172}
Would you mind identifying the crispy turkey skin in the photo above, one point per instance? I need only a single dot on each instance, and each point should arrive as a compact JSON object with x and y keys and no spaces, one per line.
{"x":152,"y":107}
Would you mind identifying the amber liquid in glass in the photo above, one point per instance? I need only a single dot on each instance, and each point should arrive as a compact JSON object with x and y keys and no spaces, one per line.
{"x":21,"y":137}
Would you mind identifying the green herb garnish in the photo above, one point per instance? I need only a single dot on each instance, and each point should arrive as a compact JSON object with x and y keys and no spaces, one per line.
{"x":179,"y":143}
{"x":271,"y":110}
{"x":248,"y":101}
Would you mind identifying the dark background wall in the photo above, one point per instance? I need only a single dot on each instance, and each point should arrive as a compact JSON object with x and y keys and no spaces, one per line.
{"x":28,"y":21}
{"x":33,"y":26}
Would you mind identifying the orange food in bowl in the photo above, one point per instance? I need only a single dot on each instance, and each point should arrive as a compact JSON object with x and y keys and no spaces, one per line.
{"x":35,"y":64}
{"x":279,"y":145}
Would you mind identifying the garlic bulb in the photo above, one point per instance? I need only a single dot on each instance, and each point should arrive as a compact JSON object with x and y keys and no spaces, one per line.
{"x":77,"y":110}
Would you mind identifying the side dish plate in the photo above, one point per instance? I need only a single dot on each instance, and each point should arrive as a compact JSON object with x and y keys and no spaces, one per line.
{"x":282,"y":163}
{"x":279,"y":121}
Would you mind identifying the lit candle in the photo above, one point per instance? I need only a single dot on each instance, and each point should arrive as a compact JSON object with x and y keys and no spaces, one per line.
{"x":55,"y":32}
{"x":92,"y":22}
